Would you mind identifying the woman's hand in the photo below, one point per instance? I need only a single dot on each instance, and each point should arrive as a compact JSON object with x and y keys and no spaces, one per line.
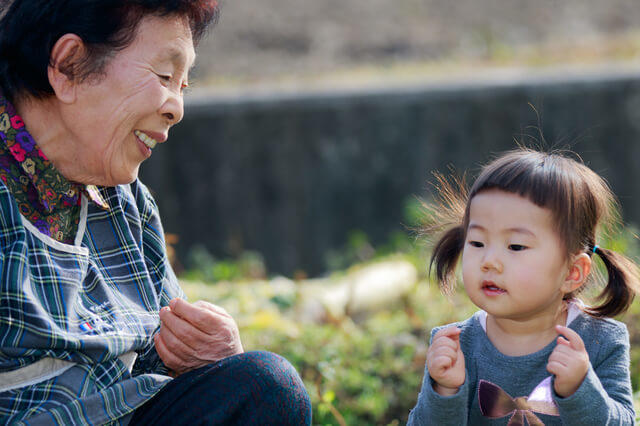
{"x":569,"y":361}
{"x":445,"y":361}
{"x":194,"y":335}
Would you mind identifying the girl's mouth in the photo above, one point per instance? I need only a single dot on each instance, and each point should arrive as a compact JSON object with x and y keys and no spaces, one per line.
{"x":491,"y":289}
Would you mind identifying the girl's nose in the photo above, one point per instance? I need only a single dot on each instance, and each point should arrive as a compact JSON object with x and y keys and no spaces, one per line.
{"x":491,"y":262}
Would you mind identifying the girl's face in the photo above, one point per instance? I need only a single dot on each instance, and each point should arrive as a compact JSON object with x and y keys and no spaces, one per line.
{"x":513,"y":263}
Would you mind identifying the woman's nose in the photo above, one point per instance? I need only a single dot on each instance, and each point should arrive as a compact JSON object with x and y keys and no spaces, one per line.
{"x":173,"y":109}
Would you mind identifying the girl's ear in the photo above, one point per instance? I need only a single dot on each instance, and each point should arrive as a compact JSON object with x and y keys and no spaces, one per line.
{"x":65,"y":56}
{"x":579,"y":269}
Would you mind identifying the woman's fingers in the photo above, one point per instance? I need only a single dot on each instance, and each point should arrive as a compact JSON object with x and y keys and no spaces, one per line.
{"x":199,"y":333}
{"x":170,"y":359}
{"x":211,"y":307}
{"x":206,"y":319}
{"x":177,"y":345}
{"x":190,"y":335}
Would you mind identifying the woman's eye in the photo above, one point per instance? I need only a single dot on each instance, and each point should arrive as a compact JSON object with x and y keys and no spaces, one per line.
{"x":164,"y":77}
{"x":476,"y":244}
{"x":516,"y":247}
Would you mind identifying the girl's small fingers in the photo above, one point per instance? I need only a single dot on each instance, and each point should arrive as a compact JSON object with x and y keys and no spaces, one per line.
{"x":564,"y":351}
{"x":446,"y":342}
{"x":450,"y":332}
{"x":446,"y":351}
{"x":441,"y":363}
{"x":574,"y":338}
{"x":555,"y":367}
{"x":564,"y":359}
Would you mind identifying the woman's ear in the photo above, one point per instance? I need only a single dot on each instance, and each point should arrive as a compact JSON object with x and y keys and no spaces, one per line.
{"x":579,"y":270}
{"x":65,"y":56}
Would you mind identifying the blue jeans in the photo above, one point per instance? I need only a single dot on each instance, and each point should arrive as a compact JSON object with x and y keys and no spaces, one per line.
{"x":254,"y":388}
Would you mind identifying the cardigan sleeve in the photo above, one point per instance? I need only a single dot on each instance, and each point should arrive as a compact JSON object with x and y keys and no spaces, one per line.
{"x":435,"y":409}
{"x":604,"y":397}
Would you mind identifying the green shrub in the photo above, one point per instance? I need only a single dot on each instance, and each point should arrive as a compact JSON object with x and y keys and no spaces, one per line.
{"x":370,"y":373}
{"x":367,"y":371}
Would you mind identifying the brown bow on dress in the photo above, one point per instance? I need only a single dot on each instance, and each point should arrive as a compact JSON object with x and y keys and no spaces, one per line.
{"x":496,"y":403}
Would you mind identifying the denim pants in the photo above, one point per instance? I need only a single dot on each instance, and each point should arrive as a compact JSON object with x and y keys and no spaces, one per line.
{"x":254,"y":388}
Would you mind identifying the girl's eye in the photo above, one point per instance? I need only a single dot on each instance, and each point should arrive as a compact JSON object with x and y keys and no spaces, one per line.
{"x":516,"y":247}
{"x":476,"y":244}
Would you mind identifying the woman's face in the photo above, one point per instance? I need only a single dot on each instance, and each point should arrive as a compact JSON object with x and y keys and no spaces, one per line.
{"x":119,"y":116}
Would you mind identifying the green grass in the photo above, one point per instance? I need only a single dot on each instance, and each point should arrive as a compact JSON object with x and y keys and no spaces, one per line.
{"x":365,"y":370}
{"x":360,"y":372}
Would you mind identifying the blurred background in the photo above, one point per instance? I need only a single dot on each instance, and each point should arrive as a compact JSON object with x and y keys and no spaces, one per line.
{"x":291,"y":191}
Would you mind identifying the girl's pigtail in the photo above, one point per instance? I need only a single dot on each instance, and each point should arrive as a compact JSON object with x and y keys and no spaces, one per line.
{"x":445,"y":257}
{"x":445,"y":216}
{"x":624,"y":279}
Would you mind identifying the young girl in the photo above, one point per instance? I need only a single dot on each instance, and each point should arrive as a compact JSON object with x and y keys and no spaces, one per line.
{"x":527,"y":234}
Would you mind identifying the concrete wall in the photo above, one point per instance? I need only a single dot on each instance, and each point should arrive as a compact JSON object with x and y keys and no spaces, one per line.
{"x":290,"y":176}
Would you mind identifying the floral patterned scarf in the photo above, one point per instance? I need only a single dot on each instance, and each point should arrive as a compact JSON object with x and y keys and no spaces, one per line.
{"x":46,"y":198}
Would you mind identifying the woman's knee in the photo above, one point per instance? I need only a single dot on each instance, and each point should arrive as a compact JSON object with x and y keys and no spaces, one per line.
{"x":278,"y":388}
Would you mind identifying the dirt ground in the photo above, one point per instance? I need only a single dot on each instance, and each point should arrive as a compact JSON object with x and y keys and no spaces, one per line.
{"x":267,"y":39}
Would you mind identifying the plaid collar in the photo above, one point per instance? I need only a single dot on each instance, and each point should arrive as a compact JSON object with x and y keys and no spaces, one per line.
{"x":33,"y":170}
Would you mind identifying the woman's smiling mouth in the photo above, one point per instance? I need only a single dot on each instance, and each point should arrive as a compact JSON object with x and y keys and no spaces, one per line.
{"x":146,"y":139}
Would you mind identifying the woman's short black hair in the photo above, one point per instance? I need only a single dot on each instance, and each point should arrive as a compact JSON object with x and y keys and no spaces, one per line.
{"x":30,"y":28}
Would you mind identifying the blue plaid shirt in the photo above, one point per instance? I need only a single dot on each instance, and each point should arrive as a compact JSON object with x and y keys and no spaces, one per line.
{"x":77,"y":320}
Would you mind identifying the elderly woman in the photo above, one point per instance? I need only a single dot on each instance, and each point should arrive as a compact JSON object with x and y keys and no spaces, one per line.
{"x":93,"y":326}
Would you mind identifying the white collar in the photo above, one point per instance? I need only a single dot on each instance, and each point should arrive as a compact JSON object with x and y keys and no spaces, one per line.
{"x":574,"y":308}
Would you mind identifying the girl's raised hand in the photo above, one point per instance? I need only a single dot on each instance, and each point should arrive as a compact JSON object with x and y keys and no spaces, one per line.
{"x":569,"y":362}
{"x":445,"y":361}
